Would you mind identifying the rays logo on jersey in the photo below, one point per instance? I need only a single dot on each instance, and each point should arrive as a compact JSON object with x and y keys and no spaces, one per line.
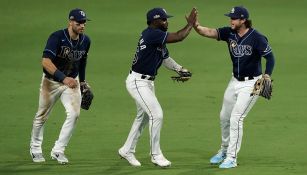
{"x":239,"y":50}
{"x":71,"y":55}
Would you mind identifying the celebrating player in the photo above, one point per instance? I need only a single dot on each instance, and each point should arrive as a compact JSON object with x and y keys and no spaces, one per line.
{"x":64,"y":62}
{"x":246,"y":47}
{"x":150,"y":54}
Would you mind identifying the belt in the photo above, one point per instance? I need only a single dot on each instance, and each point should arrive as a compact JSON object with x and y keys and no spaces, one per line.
{"x":244,"y":78}
{"x":142,"y":76}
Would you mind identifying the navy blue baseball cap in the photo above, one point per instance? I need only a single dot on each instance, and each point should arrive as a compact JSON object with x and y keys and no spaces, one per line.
{"x":238,"y":12}
{"x":77,"y":15}
{"x":157,"y":13}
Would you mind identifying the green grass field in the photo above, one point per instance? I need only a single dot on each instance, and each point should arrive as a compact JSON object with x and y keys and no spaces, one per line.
{"x":275,"y":131}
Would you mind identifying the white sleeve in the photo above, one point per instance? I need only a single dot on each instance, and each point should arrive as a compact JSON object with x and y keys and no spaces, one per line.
{"x":171,"y":64}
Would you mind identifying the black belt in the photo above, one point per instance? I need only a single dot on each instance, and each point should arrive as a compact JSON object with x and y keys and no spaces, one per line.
{"x":146,"y":77}
{"x":245,"y":78}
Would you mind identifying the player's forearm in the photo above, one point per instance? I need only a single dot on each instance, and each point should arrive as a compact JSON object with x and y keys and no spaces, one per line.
{"x":183,"y":33}
{"x":52,"y":69}
{"x":180,"y":35}
{"x":48,"y":66}
{"x":171,"y":64}
{"x":206,"y":32}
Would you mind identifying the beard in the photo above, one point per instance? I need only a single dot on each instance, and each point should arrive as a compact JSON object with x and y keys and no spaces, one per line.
{"x":236,"y":27}
{"x":76,"y":31}
{"x":164,"y":29}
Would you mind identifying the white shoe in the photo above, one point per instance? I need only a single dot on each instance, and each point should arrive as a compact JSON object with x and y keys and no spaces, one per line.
{"x":160,"y":160}
{"x":37,"y":157}
{"x":129,"y":157}
{"x":60,"y":157}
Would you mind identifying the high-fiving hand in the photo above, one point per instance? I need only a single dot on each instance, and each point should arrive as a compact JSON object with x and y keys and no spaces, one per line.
{"x":192,"y":18}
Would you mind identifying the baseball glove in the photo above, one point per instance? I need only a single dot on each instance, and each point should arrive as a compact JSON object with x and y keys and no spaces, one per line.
{"x":86,"y":95}
{"x":183,"y":75}
{"x":263,"y":87}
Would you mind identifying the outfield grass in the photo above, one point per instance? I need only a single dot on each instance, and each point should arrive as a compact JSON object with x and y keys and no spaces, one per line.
{"x":275,"y":131}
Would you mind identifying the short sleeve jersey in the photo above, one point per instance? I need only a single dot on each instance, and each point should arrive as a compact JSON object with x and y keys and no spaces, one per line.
{"x":69,"y":56}
{"x":245,"y":51}
{"x":150,"y":52}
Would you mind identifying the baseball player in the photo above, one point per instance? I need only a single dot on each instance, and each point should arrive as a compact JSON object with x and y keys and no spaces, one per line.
{"x":246,"y":48}
{"x":151,"y":52}
{"x":64,"y":61}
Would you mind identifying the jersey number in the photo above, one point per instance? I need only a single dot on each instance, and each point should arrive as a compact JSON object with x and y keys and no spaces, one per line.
{"x":138,"y":49}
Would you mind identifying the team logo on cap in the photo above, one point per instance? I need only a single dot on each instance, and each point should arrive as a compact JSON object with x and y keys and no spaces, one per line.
{"x":156,"y":16}
{"x":82,"y":13}
{"x":232,"y":10}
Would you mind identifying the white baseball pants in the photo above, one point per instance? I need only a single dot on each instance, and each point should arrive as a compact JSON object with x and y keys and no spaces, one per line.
{"x":148,"y":111}
{"x":50,"y":92}
{"x":236,"y":105}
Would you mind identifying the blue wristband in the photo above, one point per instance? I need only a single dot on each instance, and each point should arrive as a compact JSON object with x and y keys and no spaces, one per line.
{"x":60,"y":76}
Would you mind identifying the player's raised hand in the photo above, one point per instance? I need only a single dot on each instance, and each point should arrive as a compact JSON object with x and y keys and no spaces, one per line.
{"x":70,"y":82}
{"x":196,"y":24}
{"x":191,"y":19}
